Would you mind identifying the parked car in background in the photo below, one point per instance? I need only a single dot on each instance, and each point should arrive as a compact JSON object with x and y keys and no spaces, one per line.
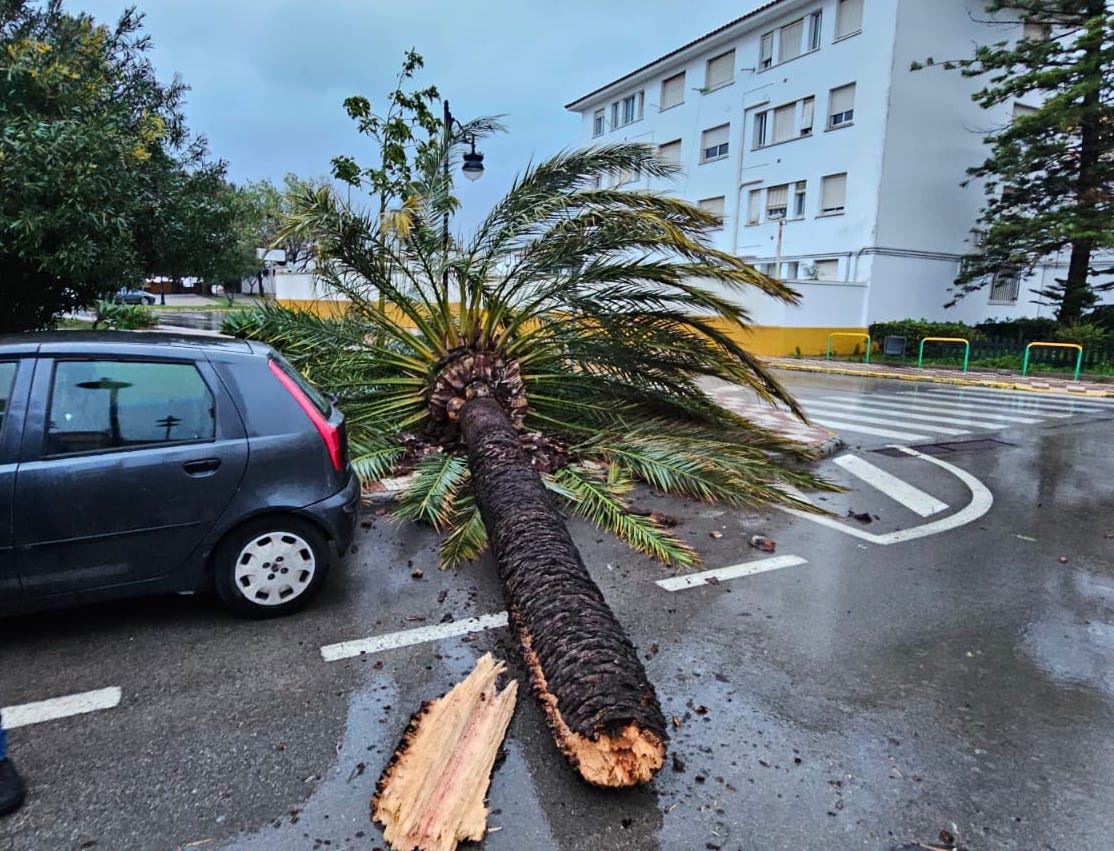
{"x":126,"y":296}
{"x":141,"y":463}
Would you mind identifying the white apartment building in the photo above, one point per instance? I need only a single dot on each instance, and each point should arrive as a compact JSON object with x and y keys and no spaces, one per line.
{"x":833,"y":165}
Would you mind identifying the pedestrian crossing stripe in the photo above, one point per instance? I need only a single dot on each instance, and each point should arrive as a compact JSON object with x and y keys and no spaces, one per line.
{"x":1027,"y":396}
{"x":907,"y":412}
{"x":1070,"y":406}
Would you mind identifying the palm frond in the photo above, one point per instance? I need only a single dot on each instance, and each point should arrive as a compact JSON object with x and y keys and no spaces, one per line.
{"x":600,"y":501}
{"x":429,"y":497}
{"x":467,"y":538}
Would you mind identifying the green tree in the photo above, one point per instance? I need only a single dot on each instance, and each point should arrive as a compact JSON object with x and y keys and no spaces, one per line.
{"x":270,"y":208}
{"x":1050,"y":173}
{"x":93,"y":149}
{"x":545,"y":363}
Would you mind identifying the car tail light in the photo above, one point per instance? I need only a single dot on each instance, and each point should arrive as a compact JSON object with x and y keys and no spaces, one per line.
{"x":332,"y":435}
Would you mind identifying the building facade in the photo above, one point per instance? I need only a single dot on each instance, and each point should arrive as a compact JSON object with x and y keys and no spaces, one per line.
{"x":833,"y":165}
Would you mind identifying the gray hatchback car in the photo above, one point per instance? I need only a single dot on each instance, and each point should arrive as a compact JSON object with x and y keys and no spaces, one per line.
{"x":141,"y":463}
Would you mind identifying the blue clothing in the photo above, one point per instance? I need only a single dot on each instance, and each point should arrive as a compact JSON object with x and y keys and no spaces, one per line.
{"x":3,"y":740}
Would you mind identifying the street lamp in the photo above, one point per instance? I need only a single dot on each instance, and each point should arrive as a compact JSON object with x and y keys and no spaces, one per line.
{"x":473,"y":169}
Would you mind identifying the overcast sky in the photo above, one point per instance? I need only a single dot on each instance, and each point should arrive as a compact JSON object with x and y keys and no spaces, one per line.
{"x":268,"y":77}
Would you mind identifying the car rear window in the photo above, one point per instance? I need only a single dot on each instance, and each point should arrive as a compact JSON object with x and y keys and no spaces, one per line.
{"x":312,"y":393}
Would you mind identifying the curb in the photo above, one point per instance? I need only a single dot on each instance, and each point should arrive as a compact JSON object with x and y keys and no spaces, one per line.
{"x":940,"y":379}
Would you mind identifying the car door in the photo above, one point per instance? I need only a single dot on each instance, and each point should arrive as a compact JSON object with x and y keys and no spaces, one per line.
{"x":127,"y":464}
{"x":14,"y":383}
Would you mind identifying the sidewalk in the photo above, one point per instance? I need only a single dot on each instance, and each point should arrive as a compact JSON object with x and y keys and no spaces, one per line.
{"x":1041,"y":383}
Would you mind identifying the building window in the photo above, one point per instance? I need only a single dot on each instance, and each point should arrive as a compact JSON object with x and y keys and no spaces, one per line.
{"x":754,"y":206}
{"x":814,"y":31}
{"x":713,"y":206}
{"x":789,"y":121}
{"x":627,"y":110}
{"x":598,"y":123}
{"x":760,"y":138}
{"x":628,"y":175}
{"x":720,"y":70}
{"x":841,"y":106}
{"x":673,"y":91}
{"x":1005,"y":286}
{"x":713,"y":143}
{"x":789,"y":40}
{"x":849,"y":18}
{"x":799,"y":199}
{"x":825,"y":270}
{"x":790,"y":270}
{"x":833,"y":191}
{"x":807,"y":109}
{"x":670,"y":152}
{"x":766,"y":51}
{"x":777,"y":199}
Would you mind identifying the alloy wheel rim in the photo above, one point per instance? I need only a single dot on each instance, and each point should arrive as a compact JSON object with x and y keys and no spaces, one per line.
{"x":275,"y":568}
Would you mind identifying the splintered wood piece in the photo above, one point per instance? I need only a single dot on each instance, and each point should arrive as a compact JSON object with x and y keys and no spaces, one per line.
{"x":431,"y":795}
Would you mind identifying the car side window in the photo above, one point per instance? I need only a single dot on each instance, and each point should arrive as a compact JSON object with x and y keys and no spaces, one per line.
{"x":7,"y":377}
{"x":96,"y":405}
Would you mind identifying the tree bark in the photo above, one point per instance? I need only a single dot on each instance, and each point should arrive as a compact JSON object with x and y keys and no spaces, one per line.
{"x":600,"y":705}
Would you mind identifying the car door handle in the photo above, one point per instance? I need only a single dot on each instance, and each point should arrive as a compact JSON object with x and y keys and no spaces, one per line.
{"x":204,"y":467}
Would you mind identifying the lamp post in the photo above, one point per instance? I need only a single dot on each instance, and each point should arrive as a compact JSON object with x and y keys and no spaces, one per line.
{"x":473,"y":169}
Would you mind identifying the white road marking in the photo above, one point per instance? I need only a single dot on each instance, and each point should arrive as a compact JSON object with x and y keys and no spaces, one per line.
{"x":913,"y":498}
{"x":722,"y":574}
{"x":1021,"y":406}
{"x":877,"y":415}
{"x":407,"y":637}
{"x":60,"y":707}
{"x":1034,"y":396}
{"x":893,"y":434}
{"x":906,"y":412}
{"x":981,"y":502}
{"x":954,"y":407}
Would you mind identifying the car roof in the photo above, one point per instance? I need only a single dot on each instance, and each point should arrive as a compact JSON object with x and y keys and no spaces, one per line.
{"x":118,"y":342}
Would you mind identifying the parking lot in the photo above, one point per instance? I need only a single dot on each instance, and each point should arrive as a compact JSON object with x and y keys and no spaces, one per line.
{"x":843,"y":692}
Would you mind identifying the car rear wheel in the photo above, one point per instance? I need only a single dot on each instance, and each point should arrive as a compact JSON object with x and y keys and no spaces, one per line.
{"x":270,"y":567}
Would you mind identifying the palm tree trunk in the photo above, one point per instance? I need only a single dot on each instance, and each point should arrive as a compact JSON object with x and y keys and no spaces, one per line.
{"x":599,"y":703}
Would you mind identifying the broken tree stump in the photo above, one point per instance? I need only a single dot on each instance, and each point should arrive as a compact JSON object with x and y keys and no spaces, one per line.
{"x":431,"y":794}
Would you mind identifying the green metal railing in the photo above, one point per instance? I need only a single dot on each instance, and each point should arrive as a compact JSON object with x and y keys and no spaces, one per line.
{"x":966,"y":351}
{"x":848,"y":334}
{"x":1078,"y":357}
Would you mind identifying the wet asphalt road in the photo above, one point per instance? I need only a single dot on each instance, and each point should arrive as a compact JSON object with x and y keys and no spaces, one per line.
{"x":871,"y":697}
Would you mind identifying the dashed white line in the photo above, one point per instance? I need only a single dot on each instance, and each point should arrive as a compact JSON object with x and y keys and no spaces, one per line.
{"x":26,"y":714}
{"x":407,"y":637}
{"x":913,"y":498}
{"x":722,"y":574}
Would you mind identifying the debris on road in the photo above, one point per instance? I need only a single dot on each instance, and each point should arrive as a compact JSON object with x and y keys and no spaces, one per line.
{"x":715,"y":534}
{"x":431,"y":794}
{"x":861,"y":516}
{"x":760,"y":542}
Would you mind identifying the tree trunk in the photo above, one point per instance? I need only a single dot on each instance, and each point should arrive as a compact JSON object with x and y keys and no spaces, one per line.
{"x":598,"y":701}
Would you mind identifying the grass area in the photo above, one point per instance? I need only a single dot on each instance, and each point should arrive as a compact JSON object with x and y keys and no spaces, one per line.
{"x":71,"y":324}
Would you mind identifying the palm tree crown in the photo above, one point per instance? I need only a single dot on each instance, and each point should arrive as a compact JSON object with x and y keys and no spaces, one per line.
{"x":590,"y":315}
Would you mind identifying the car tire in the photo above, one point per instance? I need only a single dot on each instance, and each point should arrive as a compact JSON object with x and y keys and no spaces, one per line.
{"x":270,"y":567}
{"x":147,"y":300}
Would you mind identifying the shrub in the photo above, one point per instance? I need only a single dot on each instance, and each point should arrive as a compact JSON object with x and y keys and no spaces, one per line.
{"x":1102,"y":315}
{"x":1019,"y":330}
{"x":1087,"y":334}
{"x":123,"y":317}
{"x":915,"y":330}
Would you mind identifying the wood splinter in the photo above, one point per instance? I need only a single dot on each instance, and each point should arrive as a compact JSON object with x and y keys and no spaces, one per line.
{"x":431,"y":795}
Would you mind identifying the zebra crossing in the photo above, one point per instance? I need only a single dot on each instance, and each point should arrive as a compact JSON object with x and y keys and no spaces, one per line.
{"x":929,"y":413}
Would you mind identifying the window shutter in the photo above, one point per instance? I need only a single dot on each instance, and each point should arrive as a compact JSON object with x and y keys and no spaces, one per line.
{"x":777,"y":201}
{"x":807,"y":108}
{"x":754,"y":206}
{"x":789,"y":45}
{"x":712,"y":205}
{"x":849,"y":17}
{"x":714,"y":142}
{"x":766,"y":51}
{"x":673,"y":91}
{"x":721,"y":70}
{"x":670,"y":152}
{"x":843,"y":99}
{"x":784,"y":117}
{"x":833,"y":190}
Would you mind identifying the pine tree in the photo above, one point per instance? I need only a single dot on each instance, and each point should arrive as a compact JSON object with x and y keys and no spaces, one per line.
{"x":1050,"y":172}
